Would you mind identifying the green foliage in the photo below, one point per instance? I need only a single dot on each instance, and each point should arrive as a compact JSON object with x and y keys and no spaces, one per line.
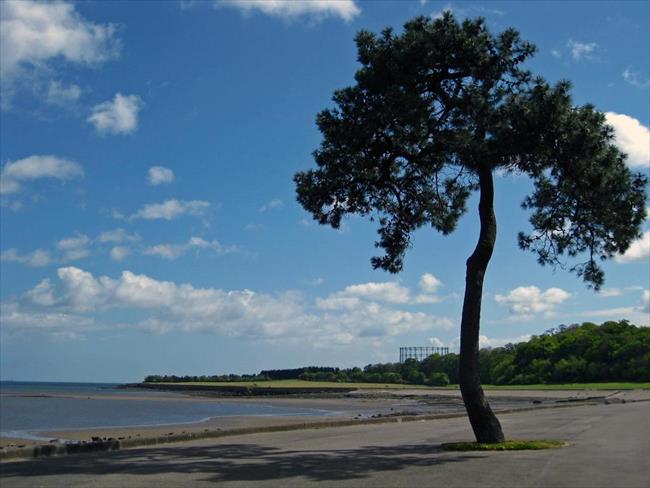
{"x":438,"y":379}
{"x":444,"y":98}
{"x":613,"y":351}
{"x":225,"y":378}
{"x":321,"y":376}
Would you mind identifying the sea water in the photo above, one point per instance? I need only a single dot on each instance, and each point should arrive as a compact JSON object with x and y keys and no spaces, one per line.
{"x":27,"y":408}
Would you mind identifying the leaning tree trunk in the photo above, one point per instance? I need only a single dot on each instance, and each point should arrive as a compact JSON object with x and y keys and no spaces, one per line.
{"x":485,"y":424}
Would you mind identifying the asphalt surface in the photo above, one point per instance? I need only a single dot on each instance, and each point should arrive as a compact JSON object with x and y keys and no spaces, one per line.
{"x":609,"y":446}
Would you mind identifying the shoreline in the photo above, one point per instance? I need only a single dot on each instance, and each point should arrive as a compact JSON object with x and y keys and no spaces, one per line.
{"x":605,"y":445}
{"x":362,"y":407}
{"x":323,"y":409}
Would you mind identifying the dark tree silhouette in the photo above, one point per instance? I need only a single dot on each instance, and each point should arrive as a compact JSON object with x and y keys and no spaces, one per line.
{"x":434,"y":111}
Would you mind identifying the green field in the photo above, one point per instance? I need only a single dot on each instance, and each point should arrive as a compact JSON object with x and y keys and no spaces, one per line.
{"x":301,"y":384}
{"x":329,"y":384}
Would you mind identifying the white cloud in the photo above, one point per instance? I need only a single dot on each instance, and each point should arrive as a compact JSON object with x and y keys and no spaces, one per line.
{"x":171,"y":209}
{"x":527,"y":301}
{"x":273,"y":204}
{"x":158,"y":175}
{"x":631,"y":137}
{"x":634,"y":79}
{"x":35,"y":259}
{"x":117,"y":116}
{"x":582,"y":50}
{"x":167,"y":251}
{"x":389,"y":292}
{"x":74,"y":247}
{"x":639,"y":250}
{"x":373,"y":320}
{"x":119,"y":253}
{"x":81,"y":292}
{"x":68,"y":249}
{"x":74,"y":242}
{"x":292,"y":9}
{"x":58,"y":94}
{"x":490,"y":342}
{"x":42,"y":294}
{"x":117,"y":235}
{"x":447,"y":8}
{"x":8,"y":186}
{"x":646,"y":301}
{"x":610,"y":292}
{"x":638,"y":315}
{"x":35,"y":34}
{"x":120,"y":243}
{"x":337,"y":302}
{"x":56,"y":324}
{"x":15,"y":173}
{"x":169,"y":306}
{"x":435,"y":342}
{"x":173,"y":251}
{"x":556,"y":54}
{"x":429,"y":283}
{"x":425,"y":299}
{"x":485,"y":341}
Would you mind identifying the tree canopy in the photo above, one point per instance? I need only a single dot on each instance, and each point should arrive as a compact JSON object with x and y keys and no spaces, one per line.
{"x":433,"y":105}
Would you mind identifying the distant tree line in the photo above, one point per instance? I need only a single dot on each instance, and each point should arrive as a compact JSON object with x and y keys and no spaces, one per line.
{"x":292,"y":374}
{"x":218,"y":378}
{"x":613,"y":351}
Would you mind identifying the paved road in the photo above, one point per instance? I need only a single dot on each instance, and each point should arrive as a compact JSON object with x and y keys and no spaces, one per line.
{"x":609,"y":447}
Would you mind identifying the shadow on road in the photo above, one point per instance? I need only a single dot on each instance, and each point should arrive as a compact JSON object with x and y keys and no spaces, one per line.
{"x":241,"y":462}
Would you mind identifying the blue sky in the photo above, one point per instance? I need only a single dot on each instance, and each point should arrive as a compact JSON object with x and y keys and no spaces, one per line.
{"x":149,"y":222}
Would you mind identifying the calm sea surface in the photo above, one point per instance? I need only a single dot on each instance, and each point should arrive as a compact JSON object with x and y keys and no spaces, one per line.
{"x":28,"y":408}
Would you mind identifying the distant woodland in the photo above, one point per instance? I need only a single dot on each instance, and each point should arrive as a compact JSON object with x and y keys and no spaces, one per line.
{"x":612,"y":351}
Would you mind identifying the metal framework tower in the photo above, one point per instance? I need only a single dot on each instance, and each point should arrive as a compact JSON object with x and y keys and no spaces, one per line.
{"x":420,"y":353}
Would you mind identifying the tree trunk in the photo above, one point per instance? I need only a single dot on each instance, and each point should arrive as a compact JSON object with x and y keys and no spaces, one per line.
{"x":484,"y":423}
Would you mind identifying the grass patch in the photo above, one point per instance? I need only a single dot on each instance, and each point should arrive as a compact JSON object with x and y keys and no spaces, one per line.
{"x":301,"y":384}
{"x":503,"y":446}
{"x":394,"y":386}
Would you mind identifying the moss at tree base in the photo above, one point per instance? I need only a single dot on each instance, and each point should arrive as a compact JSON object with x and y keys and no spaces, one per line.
{"x":514,"y":445}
